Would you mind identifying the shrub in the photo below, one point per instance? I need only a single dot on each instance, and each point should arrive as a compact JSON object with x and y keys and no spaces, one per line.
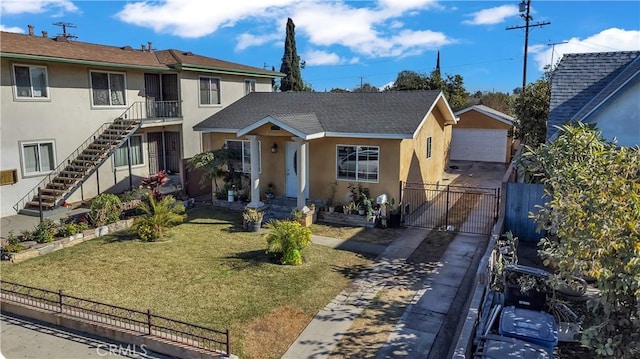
{"x":287,"y":239}
{"x":158,"y":216}
{"x":45,"y":231}
{"x":70,"y":226}
{"x":105,"y":209}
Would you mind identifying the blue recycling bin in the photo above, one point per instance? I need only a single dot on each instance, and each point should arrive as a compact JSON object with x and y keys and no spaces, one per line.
{"x":532,"y":326}
{"x":498,"y":347}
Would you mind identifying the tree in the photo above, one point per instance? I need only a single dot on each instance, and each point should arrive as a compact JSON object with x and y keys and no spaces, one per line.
{"x":454,"y":92}
{"x":410,"y":81}
{"x":291,"y":62}
{"x":592,"y":220}
{"x":531,"y":109}
{"x":339,"y":90}
{"x":366,"y":87}
{"x":452,"y":86}
{"x":498,"y":101}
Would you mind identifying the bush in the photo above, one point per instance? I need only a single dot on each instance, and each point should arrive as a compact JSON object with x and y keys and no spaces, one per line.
{"x":105,"y":209}
{"x":158,"y":216}
{"x":287,"y":239}
{"x":70,"y":226}
{"x":45,"y":231}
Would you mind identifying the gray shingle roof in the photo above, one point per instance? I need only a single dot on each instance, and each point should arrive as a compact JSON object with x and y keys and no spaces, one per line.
{"x":585,"y":79}
{"x":49,"y":49}
{"x":390,"y":113}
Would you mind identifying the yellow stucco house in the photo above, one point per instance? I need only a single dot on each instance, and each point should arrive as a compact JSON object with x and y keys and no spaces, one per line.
{"x":301,"y":142}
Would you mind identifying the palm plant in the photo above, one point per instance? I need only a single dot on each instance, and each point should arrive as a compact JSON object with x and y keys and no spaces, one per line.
{"x":158,"y":215}
{"x":287,"y":239}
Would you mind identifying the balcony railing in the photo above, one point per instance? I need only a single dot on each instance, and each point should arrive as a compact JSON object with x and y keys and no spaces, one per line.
{"x":163,"y":109}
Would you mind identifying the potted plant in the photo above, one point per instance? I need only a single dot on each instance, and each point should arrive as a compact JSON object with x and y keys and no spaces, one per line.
{"x":332,"y":196}
{"x":252,"y":219}
{"x":269,"y":193}
{"x":395,"y":214}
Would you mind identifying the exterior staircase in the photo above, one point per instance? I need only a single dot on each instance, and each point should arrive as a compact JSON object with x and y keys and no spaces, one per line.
{"x":74,"y":170}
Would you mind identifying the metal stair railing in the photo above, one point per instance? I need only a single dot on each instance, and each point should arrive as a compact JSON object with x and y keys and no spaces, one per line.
{"x":135,"y":112}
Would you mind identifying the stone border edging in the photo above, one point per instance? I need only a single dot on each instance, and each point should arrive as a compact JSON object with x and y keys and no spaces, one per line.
{"x":86,"y":235}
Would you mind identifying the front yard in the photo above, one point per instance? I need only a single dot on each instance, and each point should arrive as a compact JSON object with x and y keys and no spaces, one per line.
{"x":208,"y":272}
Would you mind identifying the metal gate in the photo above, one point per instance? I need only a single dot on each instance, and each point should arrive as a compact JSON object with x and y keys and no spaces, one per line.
{"x":461,"y":209}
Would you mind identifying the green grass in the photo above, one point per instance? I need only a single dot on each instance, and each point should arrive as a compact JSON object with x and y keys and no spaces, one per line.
{"x":206,"y":271}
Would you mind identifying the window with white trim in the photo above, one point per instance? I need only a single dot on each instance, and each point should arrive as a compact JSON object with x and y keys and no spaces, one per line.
{"x":429,"y":145}
{"x":241,"y":155}
{"x":137,"y":158}
{"x":209,"y":91}
{"x":357,"y":163}
{"x":38,"y":157}
{"x":108,"y":88}
{"x":30,"y":82}
{"x":249,"y":86}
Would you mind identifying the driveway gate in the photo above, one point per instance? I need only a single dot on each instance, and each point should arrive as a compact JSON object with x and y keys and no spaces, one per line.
{"x":462,"y":209}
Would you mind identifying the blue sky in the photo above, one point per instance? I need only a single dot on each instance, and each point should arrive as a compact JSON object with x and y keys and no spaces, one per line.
{"x":345,"y":43}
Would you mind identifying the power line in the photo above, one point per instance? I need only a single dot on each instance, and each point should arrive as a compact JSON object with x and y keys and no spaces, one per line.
{"x":525,"y":6}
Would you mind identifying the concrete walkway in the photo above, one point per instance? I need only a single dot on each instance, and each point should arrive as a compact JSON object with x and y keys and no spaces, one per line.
{"x":416,"y":331}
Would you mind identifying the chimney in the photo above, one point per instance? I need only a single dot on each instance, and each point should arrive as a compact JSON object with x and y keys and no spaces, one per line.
{"x":45,"y":34}
{"x":61,"y":38}
{"x":143,"y":48}
{"x":30,"y":30}
{"x":150,"y":48}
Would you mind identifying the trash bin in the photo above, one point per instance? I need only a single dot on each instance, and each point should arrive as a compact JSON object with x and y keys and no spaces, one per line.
{"x":532,"y":326}
{"x":534,"y":298}
{"x":496,"y":346}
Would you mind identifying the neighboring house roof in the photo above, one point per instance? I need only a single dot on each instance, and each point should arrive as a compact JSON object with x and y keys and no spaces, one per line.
{"x":60,"y":49}
{"x":582,"y":82}
{"x":495,"y":114}
{"x":327,"y":114}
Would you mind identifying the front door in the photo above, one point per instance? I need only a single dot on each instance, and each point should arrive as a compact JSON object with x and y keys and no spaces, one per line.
{"x":291,"y":167}
{"x":164,"y":151}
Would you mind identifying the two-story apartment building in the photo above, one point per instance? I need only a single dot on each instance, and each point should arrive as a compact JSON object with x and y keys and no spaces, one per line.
{"x":78,"y":119}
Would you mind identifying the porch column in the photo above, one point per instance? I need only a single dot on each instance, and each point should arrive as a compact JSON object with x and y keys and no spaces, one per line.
{"x":255,"y":172}
{"x":302,"y":171}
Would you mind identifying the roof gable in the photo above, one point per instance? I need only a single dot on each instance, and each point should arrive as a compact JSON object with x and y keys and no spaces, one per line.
{"x":380,"y":115}
{"x":488,"y":111}
{"x":580,"y":78}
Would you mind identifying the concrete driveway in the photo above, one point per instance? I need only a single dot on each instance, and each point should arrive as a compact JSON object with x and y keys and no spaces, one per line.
{"x":474,"y":174}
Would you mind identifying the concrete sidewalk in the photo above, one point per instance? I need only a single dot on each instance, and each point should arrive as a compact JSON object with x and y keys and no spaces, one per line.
{"x":414,"y":335}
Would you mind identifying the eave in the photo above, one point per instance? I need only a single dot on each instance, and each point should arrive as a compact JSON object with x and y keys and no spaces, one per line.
{"x":83,"y":62}
{"x":226,"y":71}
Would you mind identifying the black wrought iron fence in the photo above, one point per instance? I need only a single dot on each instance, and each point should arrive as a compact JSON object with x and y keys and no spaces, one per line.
{"x":463,"y":209}
{"x":124,"y":318}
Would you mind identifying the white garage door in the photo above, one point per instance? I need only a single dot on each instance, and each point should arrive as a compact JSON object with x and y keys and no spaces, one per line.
{"x":478,"y":145}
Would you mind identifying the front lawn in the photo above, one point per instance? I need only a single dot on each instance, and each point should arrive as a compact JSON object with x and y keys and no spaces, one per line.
{"x":207,"y":271}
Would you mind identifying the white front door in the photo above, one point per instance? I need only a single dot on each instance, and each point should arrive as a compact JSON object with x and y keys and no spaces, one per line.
{"x":291,"y":167}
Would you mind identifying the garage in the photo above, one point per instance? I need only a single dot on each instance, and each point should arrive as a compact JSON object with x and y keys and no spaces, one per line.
{"x":479,"y":145}
{"x":482,"y":134}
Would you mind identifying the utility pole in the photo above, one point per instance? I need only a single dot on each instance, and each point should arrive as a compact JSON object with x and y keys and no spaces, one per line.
{"x":553,"y":49}
{"x":525,"y":6}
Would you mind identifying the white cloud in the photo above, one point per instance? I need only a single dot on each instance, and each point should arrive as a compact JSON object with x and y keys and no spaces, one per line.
{"x":195,"y":18}
{"x":494,"y":15}
{"x":369,"y":29}
{"x":317,"y":57}
{"x":12,"y":29}
{"x":612,"y":39}
{"x":12,"y":7}
{"x":248,"y":40}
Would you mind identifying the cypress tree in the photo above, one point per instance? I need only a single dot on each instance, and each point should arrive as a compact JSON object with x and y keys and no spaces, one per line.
{"x":291,"y":62}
